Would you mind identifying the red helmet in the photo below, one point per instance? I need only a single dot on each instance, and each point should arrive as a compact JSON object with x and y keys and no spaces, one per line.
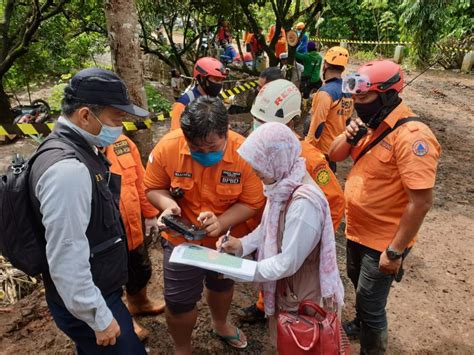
{"x":383,"y":75}
{"x":208,"y":66}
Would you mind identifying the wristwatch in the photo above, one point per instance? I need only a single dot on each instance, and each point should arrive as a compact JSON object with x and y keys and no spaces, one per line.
{"x":392,"y":254}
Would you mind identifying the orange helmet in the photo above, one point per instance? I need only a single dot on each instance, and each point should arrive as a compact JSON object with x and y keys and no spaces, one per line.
{"x":379,"y":75}
{"x":337,"y":56}
{"x":208,"y":66}
{"x":300,"y":26}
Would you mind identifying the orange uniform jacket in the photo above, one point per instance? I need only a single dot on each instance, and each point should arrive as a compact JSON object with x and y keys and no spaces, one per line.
{"x":214,"y":188}
{"x":180,"y":105}
{"x":125,"y":159}
{"x":317,"y":166}
{"x":329,"y":112}
{"x":375,"y":189}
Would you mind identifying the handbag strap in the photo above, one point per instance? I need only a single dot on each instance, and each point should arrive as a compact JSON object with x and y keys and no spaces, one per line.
{"x":385,"y":134}
{"x":313,"y":341}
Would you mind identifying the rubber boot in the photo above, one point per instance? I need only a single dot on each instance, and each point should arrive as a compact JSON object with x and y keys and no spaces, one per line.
{"x":373,"y":341}
{"x":141,"y":332}
{"x":139,"y":303}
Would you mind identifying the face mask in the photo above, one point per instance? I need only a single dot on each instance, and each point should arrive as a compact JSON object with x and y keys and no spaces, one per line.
{"x":212,"y":89}
{"x":256,"y":124}
{"x":207,"y":159}
{"x":368,"y":111}
{"x":107,"y":135}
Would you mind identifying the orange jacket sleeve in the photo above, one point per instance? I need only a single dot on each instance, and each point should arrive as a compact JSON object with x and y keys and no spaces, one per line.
{"x":176,"y":112}
{"x":148,"y":211}
{"x":156,"y":177}
{"x":320,"y":108}
{"x":417,"y":152}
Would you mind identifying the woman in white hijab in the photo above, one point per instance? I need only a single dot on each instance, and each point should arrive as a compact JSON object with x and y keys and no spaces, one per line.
{"x":295,"y":241}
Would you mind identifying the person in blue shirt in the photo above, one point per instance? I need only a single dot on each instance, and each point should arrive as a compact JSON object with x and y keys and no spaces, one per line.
{"x":303,"y":44}
{"x":229,"y":53}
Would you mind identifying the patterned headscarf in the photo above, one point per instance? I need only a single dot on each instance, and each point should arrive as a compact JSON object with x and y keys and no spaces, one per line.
{"x":274,"y":151}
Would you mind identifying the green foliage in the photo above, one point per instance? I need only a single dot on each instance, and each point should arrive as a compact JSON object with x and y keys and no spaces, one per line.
{"x":156,"y":102}
{"x":62,"y":44}
{"x":422,"y":21}
{"x":364,"y":56}
{"x":56,"y":96}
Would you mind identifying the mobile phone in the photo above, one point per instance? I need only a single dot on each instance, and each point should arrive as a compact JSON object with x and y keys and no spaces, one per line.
{"x":184,"y":227}
{"x":359,"y":135}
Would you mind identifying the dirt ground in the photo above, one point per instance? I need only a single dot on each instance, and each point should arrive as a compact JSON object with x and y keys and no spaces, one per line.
{"x":429,"y":312}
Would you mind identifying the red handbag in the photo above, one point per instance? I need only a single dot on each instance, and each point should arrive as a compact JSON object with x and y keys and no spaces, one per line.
{"x":302,"y":333}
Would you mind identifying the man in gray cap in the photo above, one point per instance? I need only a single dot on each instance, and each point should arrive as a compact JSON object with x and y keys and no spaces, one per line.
{"x":76,"y":197}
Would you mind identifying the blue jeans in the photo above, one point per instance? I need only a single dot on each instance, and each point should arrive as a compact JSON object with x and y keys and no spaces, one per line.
{"x":84,"y":337}
{"x":372,"y":288}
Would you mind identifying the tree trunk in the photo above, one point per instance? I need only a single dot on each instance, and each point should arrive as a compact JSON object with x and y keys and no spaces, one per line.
{"x":123,"y":28}
{"x":6,"y":115}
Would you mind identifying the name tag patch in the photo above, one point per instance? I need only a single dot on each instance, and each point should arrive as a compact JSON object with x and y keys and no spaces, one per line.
{"x":230,"y":177}
{"x":121,"y":148}
{"x":183,"y":174}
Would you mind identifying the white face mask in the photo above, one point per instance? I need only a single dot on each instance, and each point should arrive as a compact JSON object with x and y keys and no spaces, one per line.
{"x":256,"y":124}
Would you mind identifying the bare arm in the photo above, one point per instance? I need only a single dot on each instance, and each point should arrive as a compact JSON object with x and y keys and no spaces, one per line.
{"x":236,"y":214}
{"x":163,"y":201}
{"x":419,"y":203}
{"x":340,"y":149}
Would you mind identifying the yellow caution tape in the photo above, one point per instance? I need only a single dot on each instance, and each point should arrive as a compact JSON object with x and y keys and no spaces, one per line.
{"x":338,"y":40}
{"x":26,"y":129}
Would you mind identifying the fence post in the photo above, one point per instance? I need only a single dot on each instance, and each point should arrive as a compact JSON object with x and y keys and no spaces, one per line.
{"x":467,"y":62}
{"x":399,"y":54}
{"x":343,"y":44}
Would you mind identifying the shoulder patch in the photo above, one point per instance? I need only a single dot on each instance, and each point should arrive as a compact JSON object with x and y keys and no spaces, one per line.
{"x":322,"y":176}
{"x":420,"y":148}
{"x":121,"y":147}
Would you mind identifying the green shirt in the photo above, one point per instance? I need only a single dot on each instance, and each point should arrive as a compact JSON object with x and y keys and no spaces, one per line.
{"x":312,"y":65}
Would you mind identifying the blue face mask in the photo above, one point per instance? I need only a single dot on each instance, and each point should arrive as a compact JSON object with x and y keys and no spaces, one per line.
{"x":107,"y":135}
{"x":208,"y":159}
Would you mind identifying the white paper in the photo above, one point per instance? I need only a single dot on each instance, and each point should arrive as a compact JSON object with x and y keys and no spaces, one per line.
{"x":210,"y":259}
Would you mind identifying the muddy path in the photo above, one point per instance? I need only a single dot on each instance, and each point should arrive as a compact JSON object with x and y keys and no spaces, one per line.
{"x":429,"y":312}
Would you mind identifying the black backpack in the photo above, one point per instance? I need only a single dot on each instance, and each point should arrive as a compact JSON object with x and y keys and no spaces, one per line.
{"x":22,"y":239}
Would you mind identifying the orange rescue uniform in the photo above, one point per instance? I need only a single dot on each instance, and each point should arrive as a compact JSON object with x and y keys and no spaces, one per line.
{"x":125,"y":159}
{"x":375,"y":189}
{"x":180,"y":105}
{"x":214,"y":188}
{"x":329,"y":112}
{"x":317,"y":166}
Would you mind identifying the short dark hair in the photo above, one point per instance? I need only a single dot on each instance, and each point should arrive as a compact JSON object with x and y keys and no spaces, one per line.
{"x":204,"y":116}
{"x":271,"y":74}
{"x":338,"y":68}
{"x":70,"y":104}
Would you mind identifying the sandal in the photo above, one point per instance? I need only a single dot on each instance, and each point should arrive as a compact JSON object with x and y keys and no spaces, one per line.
{"x":229,"y":339}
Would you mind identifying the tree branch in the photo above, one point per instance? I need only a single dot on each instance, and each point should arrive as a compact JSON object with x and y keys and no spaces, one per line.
{"x":28,"y":31}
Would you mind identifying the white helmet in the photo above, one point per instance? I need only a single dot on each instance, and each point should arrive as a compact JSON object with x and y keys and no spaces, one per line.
{"x":277,"y":101}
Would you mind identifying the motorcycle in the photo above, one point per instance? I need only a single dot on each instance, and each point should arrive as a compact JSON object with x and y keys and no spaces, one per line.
{"x":38,"y":111}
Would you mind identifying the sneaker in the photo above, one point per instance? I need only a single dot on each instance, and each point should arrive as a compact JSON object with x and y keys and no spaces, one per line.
{"x":251,"y":315}
{"x":352,"y":328}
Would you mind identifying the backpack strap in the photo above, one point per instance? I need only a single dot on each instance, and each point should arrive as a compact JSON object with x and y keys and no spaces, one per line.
{"x":385,"y":134}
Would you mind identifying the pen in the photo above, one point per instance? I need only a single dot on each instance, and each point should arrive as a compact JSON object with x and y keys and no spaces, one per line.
{"x":226,"y":238}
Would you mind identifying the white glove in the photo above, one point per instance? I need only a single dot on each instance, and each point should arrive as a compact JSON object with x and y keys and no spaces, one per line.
{"x":150,"y":224}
